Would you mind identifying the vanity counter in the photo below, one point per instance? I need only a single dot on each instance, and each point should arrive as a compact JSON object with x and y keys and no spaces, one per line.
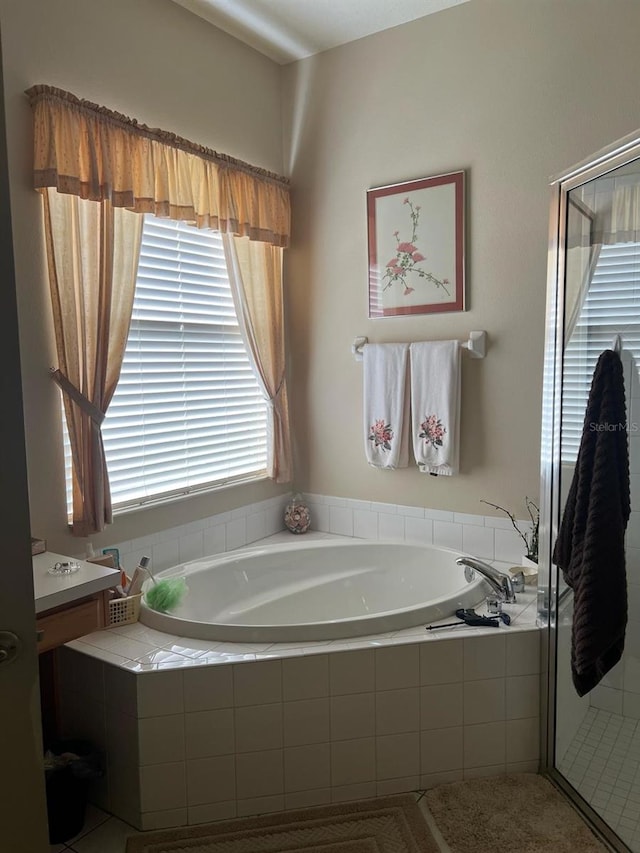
{"x":57,"y":590}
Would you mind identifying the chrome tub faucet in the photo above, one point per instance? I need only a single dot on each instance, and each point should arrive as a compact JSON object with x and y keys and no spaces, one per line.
{"x":504,"y":587}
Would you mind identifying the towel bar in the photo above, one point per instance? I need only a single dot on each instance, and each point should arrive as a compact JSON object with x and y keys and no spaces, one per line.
{"x":477,"y":345}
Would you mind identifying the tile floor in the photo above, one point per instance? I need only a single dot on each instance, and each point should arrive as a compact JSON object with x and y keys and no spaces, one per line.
{"x":103,"y":833}
{"x":603,"y":764}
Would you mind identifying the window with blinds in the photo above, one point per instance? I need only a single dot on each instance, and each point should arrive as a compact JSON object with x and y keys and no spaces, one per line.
{"x":611,"y":307}
{"x":188,"y":412}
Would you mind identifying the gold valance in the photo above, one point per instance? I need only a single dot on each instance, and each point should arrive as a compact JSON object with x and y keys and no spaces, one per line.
{"x":92,"y":152}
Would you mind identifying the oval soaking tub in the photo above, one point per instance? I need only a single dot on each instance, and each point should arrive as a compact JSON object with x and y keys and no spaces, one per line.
{"x":318,"y":590}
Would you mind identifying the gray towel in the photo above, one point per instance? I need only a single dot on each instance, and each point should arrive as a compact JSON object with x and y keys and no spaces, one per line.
{"x":590,"y":545}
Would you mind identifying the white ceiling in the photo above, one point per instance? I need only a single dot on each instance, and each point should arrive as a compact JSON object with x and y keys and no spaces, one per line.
{"x":286,"y":30}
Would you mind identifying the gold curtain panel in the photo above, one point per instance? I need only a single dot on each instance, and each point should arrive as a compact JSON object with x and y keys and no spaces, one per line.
{"x":94,"y":153}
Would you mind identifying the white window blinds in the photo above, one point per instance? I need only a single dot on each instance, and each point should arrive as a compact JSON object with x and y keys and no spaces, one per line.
{"x":188,"y":412}
{"x":611,"y":307}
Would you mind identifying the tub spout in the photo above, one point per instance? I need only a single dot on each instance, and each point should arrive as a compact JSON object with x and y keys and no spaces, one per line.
{"x":498,"y":581}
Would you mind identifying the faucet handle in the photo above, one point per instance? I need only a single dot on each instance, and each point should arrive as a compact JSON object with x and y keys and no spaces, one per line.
{"x":494,"y":605}
{"x":517,"y":581}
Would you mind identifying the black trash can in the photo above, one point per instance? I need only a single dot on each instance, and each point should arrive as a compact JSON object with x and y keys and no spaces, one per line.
{"x":69,"y":767}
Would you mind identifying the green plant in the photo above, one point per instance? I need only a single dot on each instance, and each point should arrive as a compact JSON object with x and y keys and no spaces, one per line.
{"x":530,"y":538}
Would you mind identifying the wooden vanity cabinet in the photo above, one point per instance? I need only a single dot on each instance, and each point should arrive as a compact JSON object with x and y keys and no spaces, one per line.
{"x":70,"y":621}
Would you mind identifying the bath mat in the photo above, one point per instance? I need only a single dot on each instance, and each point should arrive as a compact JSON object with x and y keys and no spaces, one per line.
{"x":386,"y":825}
{"x":520,"y":813}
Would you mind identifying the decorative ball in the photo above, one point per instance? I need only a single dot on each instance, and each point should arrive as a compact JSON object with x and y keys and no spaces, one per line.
{"x":296,"y":515}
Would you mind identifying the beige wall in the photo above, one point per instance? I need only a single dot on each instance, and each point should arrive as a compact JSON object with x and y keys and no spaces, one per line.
{"x":152,"y":60}
{"x":509,"y":90}
{"x":512,"y":91}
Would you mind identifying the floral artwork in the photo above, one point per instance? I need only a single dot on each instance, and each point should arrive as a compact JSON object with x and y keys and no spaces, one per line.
{"x":416,"y":246}
{"x":432,"y":431}
{"x":408,"y":259}
{"x":381,"y":434}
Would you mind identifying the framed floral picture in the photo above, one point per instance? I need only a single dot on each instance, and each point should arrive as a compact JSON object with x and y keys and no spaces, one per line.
{"x":416,"y":246}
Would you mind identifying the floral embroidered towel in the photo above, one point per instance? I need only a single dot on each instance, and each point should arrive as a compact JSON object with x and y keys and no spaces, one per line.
{"x":386,"y":405}
{"x":435,"y":404}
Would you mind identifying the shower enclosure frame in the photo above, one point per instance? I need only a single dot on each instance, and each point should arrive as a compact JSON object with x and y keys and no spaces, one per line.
{"x":606,"y":160}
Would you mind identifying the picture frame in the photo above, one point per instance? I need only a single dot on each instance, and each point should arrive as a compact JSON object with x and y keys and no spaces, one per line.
{"x":416,"y":246}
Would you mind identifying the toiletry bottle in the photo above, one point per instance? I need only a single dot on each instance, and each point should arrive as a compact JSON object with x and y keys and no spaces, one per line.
{"x":139,"y":577}
{"x":115,"y":553}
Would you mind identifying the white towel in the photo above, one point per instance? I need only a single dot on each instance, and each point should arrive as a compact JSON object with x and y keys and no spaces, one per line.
{"x":386,"y":405}
{"x":435,"y":403}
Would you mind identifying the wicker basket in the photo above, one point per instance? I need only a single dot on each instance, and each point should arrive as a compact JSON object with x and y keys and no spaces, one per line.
{"x":123,"y":611}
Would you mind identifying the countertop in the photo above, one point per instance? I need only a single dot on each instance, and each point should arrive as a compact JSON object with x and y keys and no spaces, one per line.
{"x":55,"y":590}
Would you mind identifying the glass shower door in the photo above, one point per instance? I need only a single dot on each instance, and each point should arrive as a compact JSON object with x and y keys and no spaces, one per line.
{"x":595,"y":739}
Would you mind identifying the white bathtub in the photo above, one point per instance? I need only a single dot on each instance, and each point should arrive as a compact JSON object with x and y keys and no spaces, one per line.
{"x":316,"y":590}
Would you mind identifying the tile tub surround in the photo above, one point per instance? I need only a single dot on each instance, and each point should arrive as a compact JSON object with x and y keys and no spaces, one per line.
{"x":486,"y":537}
{"x":206,"y":740}
{"x":142,"y":649}
{"x":196,"y":731}
{"x":213,"y":535}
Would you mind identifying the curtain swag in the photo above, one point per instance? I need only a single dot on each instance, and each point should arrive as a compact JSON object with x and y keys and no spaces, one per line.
{"x":94,"y":153}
